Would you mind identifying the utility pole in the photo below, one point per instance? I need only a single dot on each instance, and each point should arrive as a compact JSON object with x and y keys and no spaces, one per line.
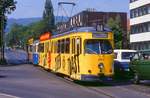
{"x":2,"y":32}
{"x":2,"y":36}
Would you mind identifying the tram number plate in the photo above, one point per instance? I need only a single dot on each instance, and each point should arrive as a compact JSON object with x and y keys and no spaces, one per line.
{"x":100,"y":35}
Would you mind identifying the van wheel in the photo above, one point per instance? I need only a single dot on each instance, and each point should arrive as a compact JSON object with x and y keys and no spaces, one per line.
{"x":136,"y":79}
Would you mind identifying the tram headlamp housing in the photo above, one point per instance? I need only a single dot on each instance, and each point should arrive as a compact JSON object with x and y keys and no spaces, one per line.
{"x":101,"y":66}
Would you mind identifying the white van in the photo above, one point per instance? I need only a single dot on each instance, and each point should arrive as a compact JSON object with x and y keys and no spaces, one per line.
{"x":123,"y":55}
{"x":122,"y":58}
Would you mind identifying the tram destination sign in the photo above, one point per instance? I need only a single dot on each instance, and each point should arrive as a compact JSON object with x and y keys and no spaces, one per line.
{"x":100,"y":35}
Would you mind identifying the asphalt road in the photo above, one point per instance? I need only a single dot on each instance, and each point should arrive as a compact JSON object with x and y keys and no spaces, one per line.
{"x":27,"y":81}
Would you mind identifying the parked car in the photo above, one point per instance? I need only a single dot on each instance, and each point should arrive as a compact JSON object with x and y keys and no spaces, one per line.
{"x":121,"y":62}
{"x":140,"y":64}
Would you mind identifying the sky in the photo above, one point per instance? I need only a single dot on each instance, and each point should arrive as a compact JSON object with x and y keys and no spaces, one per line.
{"x":34,"y":8}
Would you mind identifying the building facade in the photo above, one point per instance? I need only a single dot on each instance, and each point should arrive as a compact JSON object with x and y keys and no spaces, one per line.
{"x":92,"y":18}
{"x":140,"y":24}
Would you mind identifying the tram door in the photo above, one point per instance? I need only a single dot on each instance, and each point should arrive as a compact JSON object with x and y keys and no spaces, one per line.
{"x":76,"y":51}
{"x":65,"y":55}
{"x":46,"y":55}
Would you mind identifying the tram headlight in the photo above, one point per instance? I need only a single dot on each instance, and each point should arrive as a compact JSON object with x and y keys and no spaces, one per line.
{"x":101,"y":66}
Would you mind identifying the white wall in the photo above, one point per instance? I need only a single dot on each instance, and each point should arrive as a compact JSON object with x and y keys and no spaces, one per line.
{"x":140,"y":37}
{"x":138,"y":3}
{"x":140,"y":19}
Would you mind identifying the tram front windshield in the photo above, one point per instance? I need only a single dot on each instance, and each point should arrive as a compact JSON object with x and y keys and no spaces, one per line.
{"x":98,"y":47}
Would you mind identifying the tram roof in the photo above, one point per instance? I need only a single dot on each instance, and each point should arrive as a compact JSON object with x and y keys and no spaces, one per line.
{"x":82,"y":29}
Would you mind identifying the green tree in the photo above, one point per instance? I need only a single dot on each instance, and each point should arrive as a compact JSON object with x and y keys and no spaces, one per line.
{"x":34,"y":30}
{"x":15,"y":35}
{"x":48,"y":17}
{"x":115,"y":25}
{"x":6,"y":6}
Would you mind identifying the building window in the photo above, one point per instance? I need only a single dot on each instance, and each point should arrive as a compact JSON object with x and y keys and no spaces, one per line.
{"x":132,"y":1}
{"x":144,"y":10}
{"x":149,"y":9}
{"x":148,"y":27}
{"x":140,"y":28}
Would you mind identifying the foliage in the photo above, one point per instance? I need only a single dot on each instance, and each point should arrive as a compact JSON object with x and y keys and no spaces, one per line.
{"x":48,"y":17}
{"x":20,"y":34}
{"x":6,"y":6}
{"x":115,"y":25}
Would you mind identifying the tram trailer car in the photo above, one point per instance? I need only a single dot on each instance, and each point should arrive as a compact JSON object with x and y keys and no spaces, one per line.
{"x":44,"y":51}
{"x":30,"y":50}
{"x":35,"y":53}
{"x":84,"y":54}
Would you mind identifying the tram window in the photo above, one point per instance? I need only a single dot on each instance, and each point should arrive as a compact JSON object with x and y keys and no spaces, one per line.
{"x":46,"y":46}
{"x":98,"y":47}
{"x":67,"y":44}
{"x":62,"y":46}
{"x":41,"y":48}
{"x":73,"y":45}
{"x":54,"y":47}
{"x":78,"y":42}
{"x":51,"y":47}
{"x":58,"y":46}
{"x":80,"y":45}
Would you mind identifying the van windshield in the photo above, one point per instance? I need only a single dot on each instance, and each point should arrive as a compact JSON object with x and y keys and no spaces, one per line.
{"x":127,"y":55}
{"x":98,"y":47}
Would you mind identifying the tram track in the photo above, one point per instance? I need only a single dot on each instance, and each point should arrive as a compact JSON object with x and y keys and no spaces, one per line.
{"x":74,"y":84}
{"x":119,"y":91}
{"x":112,"y":91}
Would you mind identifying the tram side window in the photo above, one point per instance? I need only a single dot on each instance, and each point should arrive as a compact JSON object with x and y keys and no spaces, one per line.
{"x":51,"y":47}
{"x":73,"y":45}
{"x":67,"y":44}
{"x":58,"y":46}
{"x":62,"y":46}
{"x":41,"y":48}
{"x":46,"y":47}
{"x":55,"y":47}
{"x":78,"y":45}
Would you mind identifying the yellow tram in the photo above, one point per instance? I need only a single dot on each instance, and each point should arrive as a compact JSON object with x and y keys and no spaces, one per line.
{"x":81,"y":54}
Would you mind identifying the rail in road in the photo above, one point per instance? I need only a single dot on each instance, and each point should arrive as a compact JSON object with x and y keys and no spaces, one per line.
{"x":114,"y":89}
{"x":118,"y":90}
{"x":28,"y":81}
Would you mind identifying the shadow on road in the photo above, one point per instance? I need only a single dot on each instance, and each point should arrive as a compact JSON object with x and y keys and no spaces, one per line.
{"x":105,"y":83}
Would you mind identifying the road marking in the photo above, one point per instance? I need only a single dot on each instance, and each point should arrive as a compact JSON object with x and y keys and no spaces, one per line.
{"x":7,"y":95}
